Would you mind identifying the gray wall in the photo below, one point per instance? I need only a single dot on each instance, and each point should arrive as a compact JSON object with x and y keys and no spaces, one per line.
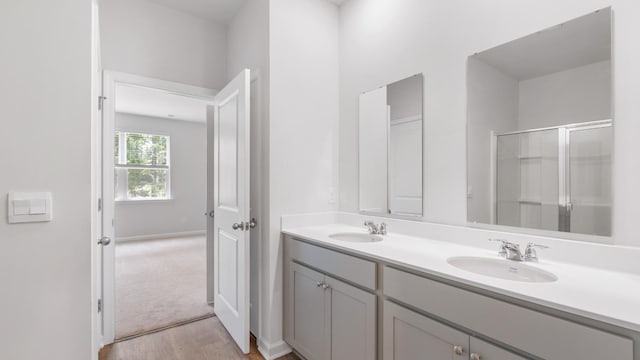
{"x":184,"y":212}
{"x":45,"y":134}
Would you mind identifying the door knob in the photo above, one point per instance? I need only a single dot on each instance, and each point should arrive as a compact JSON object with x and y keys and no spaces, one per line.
{"x":238,"y":226}
{"x":474,"y":356}
{"x":458,"y":350}
{"x":104,"y":241}
{"x":212,"y":213}
{"x":252,"y":224}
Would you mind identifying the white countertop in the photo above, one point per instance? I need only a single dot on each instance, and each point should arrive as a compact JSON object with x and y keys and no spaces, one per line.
{"x":604,"y":295}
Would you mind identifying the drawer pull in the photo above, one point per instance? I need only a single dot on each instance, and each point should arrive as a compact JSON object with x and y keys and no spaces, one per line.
{"x":458,"y":350}
{"x":474,"y":356}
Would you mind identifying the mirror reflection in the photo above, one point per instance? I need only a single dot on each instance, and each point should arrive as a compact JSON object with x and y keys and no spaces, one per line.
{"x":390,"y":148}
{"x":540,"y":130}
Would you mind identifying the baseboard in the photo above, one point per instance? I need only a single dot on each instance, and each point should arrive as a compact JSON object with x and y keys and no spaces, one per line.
{"x":272,"y":351}
{"x":161,"y":236}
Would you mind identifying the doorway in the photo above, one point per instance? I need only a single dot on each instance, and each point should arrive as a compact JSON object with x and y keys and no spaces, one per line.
{"x":154,"y":277}
{"x":158,"y":206}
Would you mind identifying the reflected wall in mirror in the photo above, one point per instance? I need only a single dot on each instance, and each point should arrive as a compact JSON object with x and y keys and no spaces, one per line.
{"x":390,"y":148}
{"x":540,"y":130}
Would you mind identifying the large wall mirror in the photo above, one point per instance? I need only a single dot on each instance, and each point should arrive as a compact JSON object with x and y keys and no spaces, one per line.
{"x":390,"y":149}
{"x":540,"y":130}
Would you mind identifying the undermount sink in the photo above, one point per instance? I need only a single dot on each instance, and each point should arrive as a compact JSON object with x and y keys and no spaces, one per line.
{"x":356,"y":237}
{"x":502,"y":269}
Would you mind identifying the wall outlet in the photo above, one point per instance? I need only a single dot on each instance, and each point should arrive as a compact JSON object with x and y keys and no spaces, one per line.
{"x":332,"y":195}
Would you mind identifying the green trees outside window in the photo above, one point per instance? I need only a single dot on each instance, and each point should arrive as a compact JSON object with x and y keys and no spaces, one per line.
{"x":142,"y":166}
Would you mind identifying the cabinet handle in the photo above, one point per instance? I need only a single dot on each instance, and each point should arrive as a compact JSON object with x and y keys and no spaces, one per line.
{"x":474,"y":356}
{"x":325,"y":286}
{"x":458,"y":350}
{"x":319,"y":283}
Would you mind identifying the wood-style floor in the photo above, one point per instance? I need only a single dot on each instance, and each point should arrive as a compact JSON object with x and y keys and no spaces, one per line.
{"x":200,"y":340}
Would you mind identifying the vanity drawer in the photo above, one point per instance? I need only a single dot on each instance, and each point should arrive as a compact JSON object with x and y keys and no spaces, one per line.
{"x":356,"y":270}
{"x":538,"y":334}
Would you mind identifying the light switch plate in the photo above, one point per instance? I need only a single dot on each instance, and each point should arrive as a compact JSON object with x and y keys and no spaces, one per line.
{"x":25,"y":207}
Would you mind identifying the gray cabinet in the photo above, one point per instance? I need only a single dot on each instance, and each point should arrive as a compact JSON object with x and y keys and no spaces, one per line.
{"x":481,"y":350}
{"x":531,"y":332}
{"x":311,"y":305}
{"x":408,"y":335}
{"x":330,"y":319}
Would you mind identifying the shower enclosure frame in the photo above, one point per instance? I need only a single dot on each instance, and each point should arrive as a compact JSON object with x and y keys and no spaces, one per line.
{"x":565,"y":204}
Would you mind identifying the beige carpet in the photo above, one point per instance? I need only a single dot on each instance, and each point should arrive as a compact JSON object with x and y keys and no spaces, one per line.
{"x":159,"y":283}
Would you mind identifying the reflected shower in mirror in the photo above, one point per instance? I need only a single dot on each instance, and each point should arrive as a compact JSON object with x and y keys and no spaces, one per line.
{"x":390,"y":149}
{"x":540,"y":130}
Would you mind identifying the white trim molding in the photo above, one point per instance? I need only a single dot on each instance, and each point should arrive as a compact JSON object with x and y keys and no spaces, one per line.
{"x":272,"y":351}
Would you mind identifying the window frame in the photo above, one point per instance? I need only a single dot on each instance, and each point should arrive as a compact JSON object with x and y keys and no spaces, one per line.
{"x":121,"y":169}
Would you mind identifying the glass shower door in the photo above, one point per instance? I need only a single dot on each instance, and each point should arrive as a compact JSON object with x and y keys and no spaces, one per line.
{"x":589,"y":160}
{"x":527,"y":179}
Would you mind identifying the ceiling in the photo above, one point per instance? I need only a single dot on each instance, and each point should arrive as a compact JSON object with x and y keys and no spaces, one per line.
{"x":221,"y":11}
{"x":156,"y":103}
{"x":583,"y":41}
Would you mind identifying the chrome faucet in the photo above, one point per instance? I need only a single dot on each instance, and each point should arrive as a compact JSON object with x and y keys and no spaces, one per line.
{"x":530,"y":253}
{"x":511,"y":251}
{"x":376,"y":229}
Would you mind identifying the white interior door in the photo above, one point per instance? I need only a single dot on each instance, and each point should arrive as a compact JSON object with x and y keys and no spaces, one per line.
{"x":231,"y":201}
{"x":107,"y":253}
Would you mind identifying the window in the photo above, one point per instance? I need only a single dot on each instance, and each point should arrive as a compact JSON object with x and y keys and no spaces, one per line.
{"x":141,"y":166}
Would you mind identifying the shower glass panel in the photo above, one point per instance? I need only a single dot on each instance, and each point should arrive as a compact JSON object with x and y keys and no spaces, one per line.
{"x":589,"y":179}
{"x":527,"y":179}
{"x":508,"y":180}
{"x":555,"y":178}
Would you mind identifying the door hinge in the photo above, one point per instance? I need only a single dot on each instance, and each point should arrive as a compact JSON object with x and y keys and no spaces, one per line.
{"x":101,"y":100}
{"x":99,"y":204}
{"x":99,"y":305}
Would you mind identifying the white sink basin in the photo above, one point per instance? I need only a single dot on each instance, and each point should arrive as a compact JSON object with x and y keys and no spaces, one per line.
{"x":502,"y":269}
{"x":356,"y":237}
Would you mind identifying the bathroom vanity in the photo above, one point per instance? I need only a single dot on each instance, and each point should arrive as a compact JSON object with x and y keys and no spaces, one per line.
{"x":404,"y":298}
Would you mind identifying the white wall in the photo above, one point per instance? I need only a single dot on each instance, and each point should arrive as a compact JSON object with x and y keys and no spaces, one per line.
{"x":303,"y":40}
{"x":148,"y":39}
{"x":383,"y":41}
{"x":572,"y":96}
{"x":184,"y":212}
{"x":45,"y":133}
{"x":492,"y":106}
{"x":248,"y":39}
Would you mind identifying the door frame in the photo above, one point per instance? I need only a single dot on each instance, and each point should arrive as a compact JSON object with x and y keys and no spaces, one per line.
{"x":105,"y":168}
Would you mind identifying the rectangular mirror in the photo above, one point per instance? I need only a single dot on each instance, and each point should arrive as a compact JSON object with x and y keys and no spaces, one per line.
{"x":390,"y":149}
{"x":540,"y":130}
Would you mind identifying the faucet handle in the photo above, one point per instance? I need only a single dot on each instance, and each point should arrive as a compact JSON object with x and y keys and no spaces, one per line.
{"x":383,"y":229}
{"x":530,"y":253}
{"x":371,"y":226}
{"x":503,"y":246}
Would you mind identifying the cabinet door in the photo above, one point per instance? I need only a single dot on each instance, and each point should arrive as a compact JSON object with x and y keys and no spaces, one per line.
{"x":310,"y":302}
{"x":481,"y":350}
{"x":353,"y":322}
{"x":410,"y":336}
